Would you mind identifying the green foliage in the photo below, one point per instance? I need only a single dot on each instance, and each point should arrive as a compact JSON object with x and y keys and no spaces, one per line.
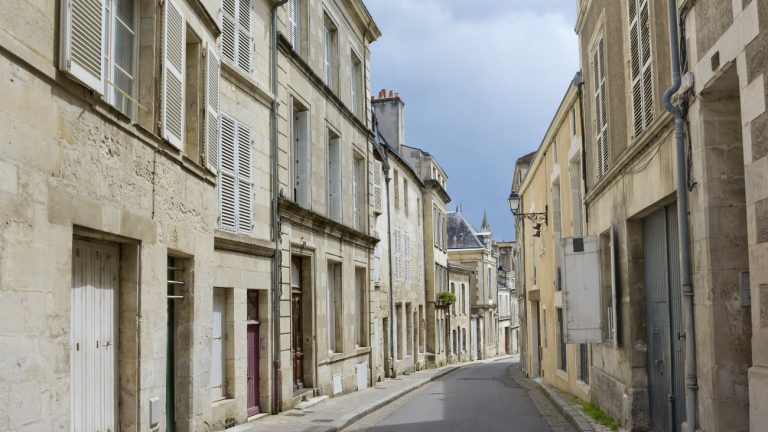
{"x":445,"y":299}
{"x":599,"y":416}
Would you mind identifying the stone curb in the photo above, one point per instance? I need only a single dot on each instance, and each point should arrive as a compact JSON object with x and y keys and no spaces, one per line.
{"x":354,"y":416}
{"x":574,"y":417}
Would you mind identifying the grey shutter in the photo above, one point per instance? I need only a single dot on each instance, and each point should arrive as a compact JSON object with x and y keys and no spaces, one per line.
{"x":303,"y":170}
{"x":334,"y":179}
{"x":356,"y":186}
{"x":294,"y":21}
{"x":327,"y":55}
{"x":173,"y":74}
{"x":244,"y":45}
{"x":82,"y":42}
{"x":213,"y":72}
{"x":640,"y":65}
{"x":227,"y":175}
{"x":244,"y":180}
{"x":645,"y":57}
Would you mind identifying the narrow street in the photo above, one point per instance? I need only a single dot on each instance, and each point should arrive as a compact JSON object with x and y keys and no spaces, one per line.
{"x":483,"y":397}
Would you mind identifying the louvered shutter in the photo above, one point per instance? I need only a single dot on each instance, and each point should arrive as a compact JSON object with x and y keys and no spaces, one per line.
{"x":356,"y":178}
{"x":334,"y":179}
{"x":640,"y":65}
{"x":294,"y":20}
{"x":377,"y":187}
{"x":408,"y":261}
{"x":303,"y":178}
{"x":600,"y":121}
{"x":82,"y":42}
{"x":173,"y":74}
{"x":396,"y":248}
{"x":213,"y":72}
{"x":227,"y":175}
{"x":244,"y":44}
{"x":229,"y":29}
{"x":244,"y":180}
{"x":327,"y":55}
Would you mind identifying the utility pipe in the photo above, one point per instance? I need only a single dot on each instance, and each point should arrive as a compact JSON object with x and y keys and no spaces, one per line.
{"x":691,"y":381}
{"x":276,"y":280}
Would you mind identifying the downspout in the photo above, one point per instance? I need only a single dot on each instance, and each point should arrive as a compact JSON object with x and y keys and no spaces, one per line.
{"x":393,"y":370}
{"x":691,"y":381}
{"x":276,"y":291}
{"x":579,"y":82}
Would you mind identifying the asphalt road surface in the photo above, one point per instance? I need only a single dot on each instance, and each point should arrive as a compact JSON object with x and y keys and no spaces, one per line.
{"x":483,"y":397}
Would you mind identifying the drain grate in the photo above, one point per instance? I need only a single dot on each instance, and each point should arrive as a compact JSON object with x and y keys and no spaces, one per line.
{"x":322,"y":420}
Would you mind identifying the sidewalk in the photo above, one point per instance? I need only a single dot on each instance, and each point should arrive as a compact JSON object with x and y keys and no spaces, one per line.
{"x":572,"y":410}
{"x":339,"y":412}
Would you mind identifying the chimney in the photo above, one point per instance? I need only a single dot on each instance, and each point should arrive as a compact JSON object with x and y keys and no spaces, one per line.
{"x":389,"y":110}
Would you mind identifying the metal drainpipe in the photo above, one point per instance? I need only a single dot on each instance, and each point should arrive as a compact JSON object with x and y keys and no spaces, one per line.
{"x":276,"y":280}
{"x":691,"y":381}
{"x":393,"y":370}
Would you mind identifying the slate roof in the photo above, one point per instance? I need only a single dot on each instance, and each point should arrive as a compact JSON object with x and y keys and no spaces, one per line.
{"x":461,"y":233}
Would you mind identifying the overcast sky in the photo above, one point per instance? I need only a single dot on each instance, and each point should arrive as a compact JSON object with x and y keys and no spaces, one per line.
{"x":481,"y":80}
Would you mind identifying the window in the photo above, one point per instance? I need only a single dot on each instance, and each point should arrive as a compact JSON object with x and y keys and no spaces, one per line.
{"x":355,"y":85}
{"x":584,"y":363}
{"x":334,"y":176}
{"x":641,"y":65}
{"x":408,"y":329}
{"x":405,"y":196}
{"x":218,"y":348}
{"x":553,"y":146}
{"x":608,"y":258}
{"x":463,"y":299}
{"x":435,"y":226}
{"x":361,"y":308}
{"x":562,"y":362}
{"x":574,"y":172}
{"x":302,"y":179}
{"x":399,"y":335}
{"x":235,"y":187}
{"x":121,"y":55}
{"x":358,"y":192}
{"x":573,"y":121}
{"x":330,"y":49}
{"x":600,"y":113}
{"x":236,"y":39}
{"x":193,"y":100}
{"x":397,"y":189}
{"x":335,"y":306}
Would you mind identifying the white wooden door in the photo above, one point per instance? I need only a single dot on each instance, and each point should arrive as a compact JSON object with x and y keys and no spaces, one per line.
{"x":93,"y":336}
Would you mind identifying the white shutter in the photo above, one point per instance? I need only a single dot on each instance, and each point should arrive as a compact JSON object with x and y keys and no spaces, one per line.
{"x":600,"y":121}
{"x":378,"y":205}
{"x":640,"y":65}
{"x":334,"y":179}
{"x":229,"y":29}
{"x":244,"y":181}
{"x":227,"y":175}
{"x":294,"y":20}
{"x":303,"y":177}
{"x":173,"y":74}
{"x":420,"y":264}
{"x":213,"y":72}
{"x":396,"y":254}
{"x":82,"y":42}
{"x":244,"y":44}
{"x":581,"y":290}
{"x":218,"y":380}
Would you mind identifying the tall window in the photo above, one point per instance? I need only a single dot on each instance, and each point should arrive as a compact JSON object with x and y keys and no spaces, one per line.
{"x":405,"y":196}
{"x":361,"y":308}
{"x":218,"y":348}
{"x":302,"y":181}
{"x":236,"y":39}
{"x":574,"y":172}
{"x":329,"y":53}
{"x":397,"y":189}
{"x":355,"y":85}
{"x":562,"y":362}
{"x":640,"y":64}
{"x":334,"y":176}
{"x":358,"y":192}
{"x":235,"y":187}
{"x":599,"y":103}
{"x":335,"y":307}
{"x":121,"y":54}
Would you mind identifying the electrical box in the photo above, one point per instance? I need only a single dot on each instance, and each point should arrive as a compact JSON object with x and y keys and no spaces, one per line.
{"x":154,"y":411}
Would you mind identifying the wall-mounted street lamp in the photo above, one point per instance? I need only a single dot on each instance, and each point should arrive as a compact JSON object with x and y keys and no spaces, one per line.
{"x":514,"y":206}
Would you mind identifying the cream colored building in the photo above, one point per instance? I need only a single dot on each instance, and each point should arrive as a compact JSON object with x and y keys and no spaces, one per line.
{"x":551,"y":209}
{"x":458,"y":315}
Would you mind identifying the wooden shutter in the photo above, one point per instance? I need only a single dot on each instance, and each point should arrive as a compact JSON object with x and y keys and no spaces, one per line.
{"x":640,"y":65}
{"x":244,"y":180}
{"x":229,"y":29}
{"x":378,"y":205}
{"x":334,"y":179}
{"x":303,"y":176}
{"x":213,"y":72}
{"x":218,"y":379}
{"x":82,"y":42}
{"x":227,"y":175}
{"x":244,"y":45}
{"x":581,"y":290}
{"x":173,"y":74}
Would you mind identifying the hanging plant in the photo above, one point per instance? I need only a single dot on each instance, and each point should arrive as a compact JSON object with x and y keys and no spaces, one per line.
{"x":445,"y":299}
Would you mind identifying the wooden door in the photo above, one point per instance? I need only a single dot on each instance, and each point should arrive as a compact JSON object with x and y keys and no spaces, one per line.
{"x":297,"y":339}
{"x":93,"y":336}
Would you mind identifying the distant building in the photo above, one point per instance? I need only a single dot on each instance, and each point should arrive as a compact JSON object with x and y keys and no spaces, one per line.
{"x":509,"y":320}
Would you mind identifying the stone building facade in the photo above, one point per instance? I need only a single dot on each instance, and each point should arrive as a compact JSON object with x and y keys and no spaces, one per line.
{"x":509,"y":321}
{"x":459,"y":316}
